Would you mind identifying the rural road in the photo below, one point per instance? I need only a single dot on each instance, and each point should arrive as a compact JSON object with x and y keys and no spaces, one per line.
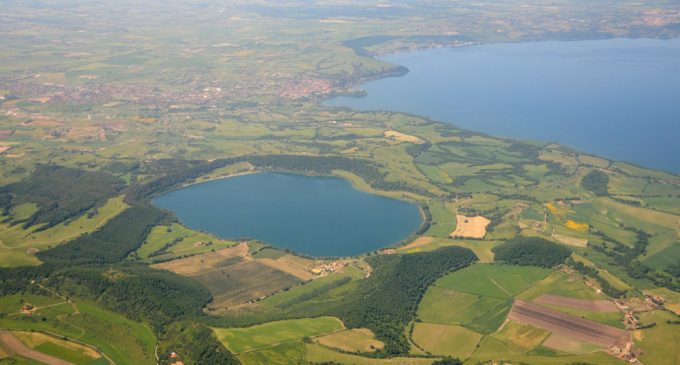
{"x":13,"y":344}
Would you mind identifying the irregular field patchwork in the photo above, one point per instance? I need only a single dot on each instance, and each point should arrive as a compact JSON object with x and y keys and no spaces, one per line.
{"x":233,"y":277}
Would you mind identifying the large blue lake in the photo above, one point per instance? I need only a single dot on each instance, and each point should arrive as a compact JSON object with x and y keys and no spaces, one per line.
{"x":315,"y":215}
{"x":618,"y":98}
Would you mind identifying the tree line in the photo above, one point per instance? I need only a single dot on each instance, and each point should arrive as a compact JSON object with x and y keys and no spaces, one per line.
{"x":61,"y":193}
{"x":368,"y":171}
{"x":387,"y":301}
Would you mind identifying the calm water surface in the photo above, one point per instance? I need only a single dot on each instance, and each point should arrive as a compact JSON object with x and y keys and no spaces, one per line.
{"x":320,"y":216}
{"x":617,"y":98}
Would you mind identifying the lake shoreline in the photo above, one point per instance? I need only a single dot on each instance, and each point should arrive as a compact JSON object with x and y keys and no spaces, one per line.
{"x":587,"y":145}
{"x":370,"y":225}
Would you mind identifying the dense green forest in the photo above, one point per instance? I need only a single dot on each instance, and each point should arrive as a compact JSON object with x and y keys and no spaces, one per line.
{"x":387,"y":301}
{"x":531,"y":251}
{"x":60,"y":192}
{"x":597,"y":182}
{"x":592,"y":272}
{"x":157,"y":297}
{"x":112,"y":243}
{"x":194,"y":343}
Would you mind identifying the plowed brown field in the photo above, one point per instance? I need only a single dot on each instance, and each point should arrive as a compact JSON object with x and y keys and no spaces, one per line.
{"x":564,"y":324}
{"x":585,"y":304}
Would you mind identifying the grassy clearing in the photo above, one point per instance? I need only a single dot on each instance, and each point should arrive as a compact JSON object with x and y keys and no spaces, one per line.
{"x":667,"y":204}
{"x":177,"y":240}
{"x":663,"y":252}
{"x":240,"y":340}
{"x":443,"y":220}
{"x":493,"y":280}
{"x":481,"y":295}
{"x":445,"y":340}
{"x":559,"y":283}
{"x":479,"y":313}
{"x":354,"y":340}
{"x":659,"y":343}
{"x":289,"y":353}
{"x":16,"y":257}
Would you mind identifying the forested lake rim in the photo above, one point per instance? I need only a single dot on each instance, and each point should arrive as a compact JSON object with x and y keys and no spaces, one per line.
{"x":617,"y":98}
{"x":313,"y":215}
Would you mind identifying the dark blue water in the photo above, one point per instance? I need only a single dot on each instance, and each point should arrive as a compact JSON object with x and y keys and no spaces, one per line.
{"x":617,"y":98}
{"x":320,"y":216}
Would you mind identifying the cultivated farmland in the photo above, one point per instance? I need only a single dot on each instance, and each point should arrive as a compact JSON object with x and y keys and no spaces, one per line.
{"x":240,"y":340}
{"x":445,"y":340}
{"x":352,"y":340}
{"x":564,"y":324}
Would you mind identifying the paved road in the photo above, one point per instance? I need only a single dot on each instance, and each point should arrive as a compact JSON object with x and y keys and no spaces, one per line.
{"x":13,"y":344}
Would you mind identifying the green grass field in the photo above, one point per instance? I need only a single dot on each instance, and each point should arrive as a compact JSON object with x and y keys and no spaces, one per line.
{"x":352,"y":340}
{"x":443,"y":220}
{"x":559,"y":283}
{"x":493,"y":280}
{"x":177,"y":240}
{"x":125,"y":341}
{"x":660,"y":342}
{"x":240,"y":340}
{"x":479,"y":313}
{"x":288,"y":353}
{"x":445,"y":340}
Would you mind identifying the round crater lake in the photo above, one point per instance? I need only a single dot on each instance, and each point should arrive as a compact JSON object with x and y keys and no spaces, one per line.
{"x":313,"y":215}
